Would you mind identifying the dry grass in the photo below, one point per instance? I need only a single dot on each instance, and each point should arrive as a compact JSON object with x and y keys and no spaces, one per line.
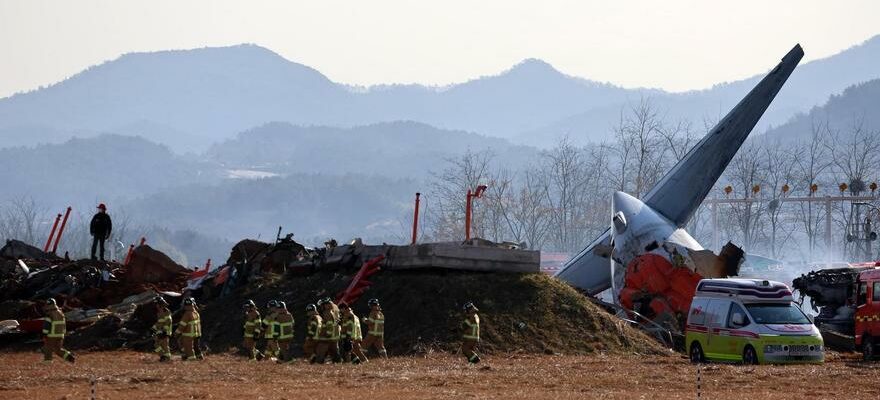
{"x":130,"y":376}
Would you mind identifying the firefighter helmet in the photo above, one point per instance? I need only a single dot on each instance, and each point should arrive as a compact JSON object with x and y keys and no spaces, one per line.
{"x":470,"y":306}
{"x":311,"y":307}
{"x":189,"y":301}
{"x":373,"y":302}
{"x":50,"y":302}
{"x":281,"y":304}
{"x":249,"y":304}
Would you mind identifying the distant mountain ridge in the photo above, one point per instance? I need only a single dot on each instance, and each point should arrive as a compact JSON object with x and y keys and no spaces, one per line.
{"x":190,"y":99}
{"x":103,"y":168}
{"x":855,"y":107}
{"x":390,"y":149}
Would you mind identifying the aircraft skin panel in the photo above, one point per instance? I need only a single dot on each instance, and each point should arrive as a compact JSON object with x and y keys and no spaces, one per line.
{"x":678,"y":194}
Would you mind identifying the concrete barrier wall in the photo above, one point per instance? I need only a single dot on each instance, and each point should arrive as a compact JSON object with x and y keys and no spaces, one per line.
{"x":462,"y":257}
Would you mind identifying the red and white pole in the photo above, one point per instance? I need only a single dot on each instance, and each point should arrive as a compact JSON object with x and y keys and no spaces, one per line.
{"x":52,"y":234}
{"x":128,"y":256}
{"x":61,"y":230}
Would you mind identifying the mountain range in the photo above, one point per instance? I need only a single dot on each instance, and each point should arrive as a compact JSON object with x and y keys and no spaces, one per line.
{"x":193,"y":99}
{"x":402,"y":149}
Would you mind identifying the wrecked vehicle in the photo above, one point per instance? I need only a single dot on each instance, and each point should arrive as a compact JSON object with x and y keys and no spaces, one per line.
{"x":848,"y":302}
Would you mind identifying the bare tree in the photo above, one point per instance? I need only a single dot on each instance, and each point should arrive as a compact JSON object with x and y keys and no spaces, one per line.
{"x":531,"y":212}
{"x":679,"y":138}
{"x":855,"y":153}
{"x":746,"y":172}
{"x":21,"y":220}
{"x":566,"y":177}
{"x":780,"y":163}
{"x":448,"y":190}
{"x":812,"y":161}
{"x":641,"y":147}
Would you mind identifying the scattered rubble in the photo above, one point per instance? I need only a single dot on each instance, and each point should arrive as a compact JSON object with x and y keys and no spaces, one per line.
{"x":16,"y":249}
{"x":108,"y":305}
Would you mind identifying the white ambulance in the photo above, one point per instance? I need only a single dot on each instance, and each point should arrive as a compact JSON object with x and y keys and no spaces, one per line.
{"x":751,"y":321}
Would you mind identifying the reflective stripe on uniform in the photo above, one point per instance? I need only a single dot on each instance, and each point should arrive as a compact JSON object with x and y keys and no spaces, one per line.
{"x":314,"y":330}
{"x":286,"y":330}
{"x":197,"y":326}
{"x":194,"y":328}
{"x":269,"y":322}
{"x":329,"y":331}
{"x":474,"y":333}
{"x":351,"y":328}
{"x":57,"y":330}
{"x":337,"y":333}
{"x":250,"y":327}
{"x":377,"y":326}
{"x":163,"y":324}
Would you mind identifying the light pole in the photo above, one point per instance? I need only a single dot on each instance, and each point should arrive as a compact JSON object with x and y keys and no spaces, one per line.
{"x":476,"y":194}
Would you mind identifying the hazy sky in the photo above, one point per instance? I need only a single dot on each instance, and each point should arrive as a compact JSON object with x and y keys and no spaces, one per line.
{"x":675,"y":45}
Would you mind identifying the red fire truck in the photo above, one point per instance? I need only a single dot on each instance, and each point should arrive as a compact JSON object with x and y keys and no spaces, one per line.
{"x":848,"y":302}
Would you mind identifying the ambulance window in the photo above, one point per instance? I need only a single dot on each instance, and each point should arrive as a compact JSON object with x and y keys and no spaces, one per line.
{"x":863,"y":294}
{"x":698,"y":312}
{"x":875,"y":297}
{"x":737,"y":309}
{"x":718,"y":312}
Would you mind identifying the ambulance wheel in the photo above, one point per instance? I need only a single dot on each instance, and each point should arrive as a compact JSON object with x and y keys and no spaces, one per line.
{"x":696,"y":353}
{"x":750,"y":357}
{"x":869,"y":350}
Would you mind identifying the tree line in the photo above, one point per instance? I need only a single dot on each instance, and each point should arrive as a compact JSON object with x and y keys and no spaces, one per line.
{"x":561,"y":200}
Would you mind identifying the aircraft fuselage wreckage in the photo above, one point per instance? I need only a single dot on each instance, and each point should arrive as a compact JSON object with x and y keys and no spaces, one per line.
{"x":650,"y":262}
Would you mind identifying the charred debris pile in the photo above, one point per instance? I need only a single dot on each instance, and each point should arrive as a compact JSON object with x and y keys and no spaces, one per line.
{"x":108,"y":305}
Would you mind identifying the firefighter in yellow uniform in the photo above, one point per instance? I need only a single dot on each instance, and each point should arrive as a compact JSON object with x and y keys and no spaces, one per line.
{"x":284,"y":322}
{"x":197,"y":339}
{"x":351,"y":336}
{"x":313,"y":326}
{"x":54,"y":328}
{"x":328,"y":335}
{"x":271,"y":350}
{"x":188,"y":329}
{"x":162,"y":329}
{"x":470,"y":333}
{"x":252,"y":328}
{"x":375,"y":322}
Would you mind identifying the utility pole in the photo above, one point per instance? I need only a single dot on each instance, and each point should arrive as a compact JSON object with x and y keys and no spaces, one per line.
{"x":828,"y":229}
{"x":416,"y":220}
{"x":715,"y":224}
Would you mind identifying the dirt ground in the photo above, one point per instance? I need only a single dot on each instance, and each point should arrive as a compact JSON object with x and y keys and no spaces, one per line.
{"x":129,"y":375}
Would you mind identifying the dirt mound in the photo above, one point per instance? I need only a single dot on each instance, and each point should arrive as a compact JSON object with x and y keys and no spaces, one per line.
{"x":530,"y":313}
{"x":148,"y":265}
{"x":15,"y":249}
